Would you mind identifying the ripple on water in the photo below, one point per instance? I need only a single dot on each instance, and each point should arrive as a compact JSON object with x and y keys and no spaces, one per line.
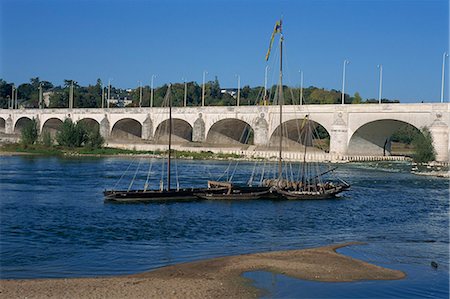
{"x":54,"y":222}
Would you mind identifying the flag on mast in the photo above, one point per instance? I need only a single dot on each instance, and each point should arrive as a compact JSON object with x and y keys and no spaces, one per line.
{"x":276,"y":29}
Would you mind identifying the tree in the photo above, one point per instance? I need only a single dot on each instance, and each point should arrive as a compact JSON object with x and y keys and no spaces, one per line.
{"x":423,"y":147}
{"x":356,"y":98}
{"x":71,"y":134}
{"x":405,"y":134}
{"x":29,"y":133}
{"x":94,"y":139}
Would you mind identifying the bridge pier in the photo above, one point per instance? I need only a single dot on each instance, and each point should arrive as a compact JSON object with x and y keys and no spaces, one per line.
{"x":147,"y":128}
{"x":440,"y":133}
{"x":261,"y":131}
{"x":198,"y":131}
{"x":9,"y":125}
{"x":339,"y":135}
{"x":105,"y":127}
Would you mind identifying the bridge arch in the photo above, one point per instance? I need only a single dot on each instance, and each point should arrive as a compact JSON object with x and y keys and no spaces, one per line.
{"x":230,"y":131}
{"x":90,"y":123}
{"x":2,"y":125}
{"x":20,"y":124}
{"x":52,"y":125}
{"x":374,"y":138}
{"x":181,"y":131}
{"x":126,"y":129}
{"x":297,"y":133}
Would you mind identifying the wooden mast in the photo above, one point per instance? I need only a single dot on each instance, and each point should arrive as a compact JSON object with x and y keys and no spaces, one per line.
{"x":170,"y":138}
{"x":280,"y":102}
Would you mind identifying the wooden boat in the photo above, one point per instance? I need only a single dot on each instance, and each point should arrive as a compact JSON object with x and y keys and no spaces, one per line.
{"x":160,"y":195}
{"x":229,"y":191}
{"x":306,"y":187}
{"x":146,"y":196}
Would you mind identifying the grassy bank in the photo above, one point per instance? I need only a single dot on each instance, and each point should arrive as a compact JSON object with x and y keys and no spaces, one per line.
{"x":39,"y":149}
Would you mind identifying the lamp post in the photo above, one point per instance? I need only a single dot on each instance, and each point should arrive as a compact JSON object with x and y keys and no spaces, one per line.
{"x":443,"y":76}
{"x":151,"y":90}
{"x":103,"y":95}
{"x":265,"y":85}
{"x":185,"y":92}
{"x":71,"y":95}
{"x":16,"y":91}
{"x":40,"y":95}
{"x":239,"y":90}
{"x":12,"y":103}
{"x":203,"y":88}
{"x":109,"y":93}
{"x":380,"y":88}
{"x":140,"y":93}
{"x":301,"y":87}
{"x":343,"y":81}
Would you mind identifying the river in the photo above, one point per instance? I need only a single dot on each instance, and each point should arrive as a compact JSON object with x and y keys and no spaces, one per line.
{"x":54,"y":223}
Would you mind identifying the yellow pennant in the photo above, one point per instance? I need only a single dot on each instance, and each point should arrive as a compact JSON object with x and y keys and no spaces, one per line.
{"x":276,"y":29}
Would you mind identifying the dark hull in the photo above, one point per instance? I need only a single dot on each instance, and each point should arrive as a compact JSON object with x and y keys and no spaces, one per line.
{"x":305,"y":195}
{"x":244,"y":193}
{"x":141,"y":196}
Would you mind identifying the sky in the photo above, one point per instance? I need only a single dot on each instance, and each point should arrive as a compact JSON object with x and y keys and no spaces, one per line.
{"x":130,"y":40}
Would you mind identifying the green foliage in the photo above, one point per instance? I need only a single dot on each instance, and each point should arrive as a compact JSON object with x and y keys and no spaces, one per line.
{"x":30,"y":133}
{"x":322,"y":96}
{"x":94,"y":139}
{"x":423,"y":147}
{"x":356,"y":98}
{"x":90,"y":96}
{"x":405,"y":134}
{"x":47,"y":139}
{"x":77,"y":135}
{"x":71,"y":134}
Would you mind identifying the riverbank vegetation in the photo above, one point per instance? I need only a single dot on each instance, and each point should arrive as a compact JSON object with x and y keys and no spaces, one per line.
{"x":56,"y":150}
{"x":418,"y":144}
{"x":90,"y":96}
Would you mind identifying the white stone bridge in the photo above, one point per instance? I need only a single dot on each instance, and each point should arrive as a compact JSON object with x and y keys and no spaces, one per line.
{"x":362,"y":129}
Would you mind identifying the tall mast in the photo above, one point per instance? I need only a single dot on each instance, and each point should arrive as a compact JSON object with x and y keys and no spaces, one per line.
{"x":280,"y":102}
{"x":170,"y":138}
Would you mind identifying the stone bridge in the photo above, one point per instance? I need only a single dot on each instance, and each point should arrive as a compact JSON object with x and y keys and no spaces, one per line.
{"x":362,"y":129}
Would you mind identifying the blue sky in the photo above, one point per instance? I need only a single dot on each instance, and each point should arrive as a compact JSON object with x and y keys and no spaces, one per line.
{"x":131,"y":40}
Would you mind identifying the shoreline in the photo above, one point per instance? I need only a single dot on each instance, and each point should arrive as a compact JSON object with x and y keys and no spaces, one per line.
{"x":211,"y":278}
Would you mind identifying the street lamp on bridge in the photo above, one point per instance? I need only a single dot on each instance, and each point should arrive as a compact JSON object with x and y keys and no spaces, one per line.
{"x":301,"y":87}
{"x":380,"y":66}
{"x":185,"y":92}
{"x":239,"y":90}
{"x":203,"y":88}
{"x":443,"y":76}
{"x":151,"y":90}
{"x":343,"y":81}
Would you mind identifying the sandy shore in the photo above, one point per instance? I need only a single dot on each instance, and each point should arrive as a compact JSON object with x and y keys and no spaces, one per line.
{"x":214,"y":278}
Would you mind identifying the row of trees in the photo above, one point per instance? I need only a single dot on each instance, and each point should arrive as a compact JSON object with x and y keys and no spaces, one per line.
{"x":91,"y":96}
{"x":70,"y":135}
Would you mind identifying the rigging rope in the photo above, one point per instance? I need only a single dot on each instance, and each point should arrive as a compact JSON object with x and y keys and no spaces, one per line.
{"x":123,"y":174}
{"x":148,"y":174}
{"x":134,"y":177}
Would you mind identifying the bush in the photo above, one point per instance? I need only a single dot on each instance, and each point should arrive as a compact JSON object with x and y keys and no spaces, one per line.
{"x":71,"y":134}
{"x":47,"y":139}
{"x":77,"y":135}
{"x":29,"y":134}
{"x":94,"y":139}
{"x":423,"y":147}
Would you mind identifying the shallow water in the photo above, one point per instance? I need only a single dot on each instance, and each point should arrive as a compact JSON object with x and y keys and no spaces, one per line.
{"x":422,"y":280}
{"x":54,"y":222}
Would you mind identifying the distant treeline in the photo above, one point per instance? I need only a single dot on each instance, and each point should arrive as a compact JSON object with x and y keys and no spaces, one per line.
{"x":91,"y":96}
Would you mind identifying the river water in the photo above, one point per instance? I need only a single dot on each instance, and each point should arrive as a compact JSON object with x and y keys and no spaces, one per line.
{"x":54,"y":222}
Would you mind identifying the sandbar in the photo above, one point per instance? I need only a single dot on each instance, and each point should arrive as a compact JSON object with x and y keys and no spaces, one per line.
{"x":212,"y":278}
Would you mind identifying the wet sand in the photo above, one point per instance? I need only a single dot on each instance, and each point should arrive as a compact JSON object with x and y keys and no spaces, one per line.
{"x":213,"y":278}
